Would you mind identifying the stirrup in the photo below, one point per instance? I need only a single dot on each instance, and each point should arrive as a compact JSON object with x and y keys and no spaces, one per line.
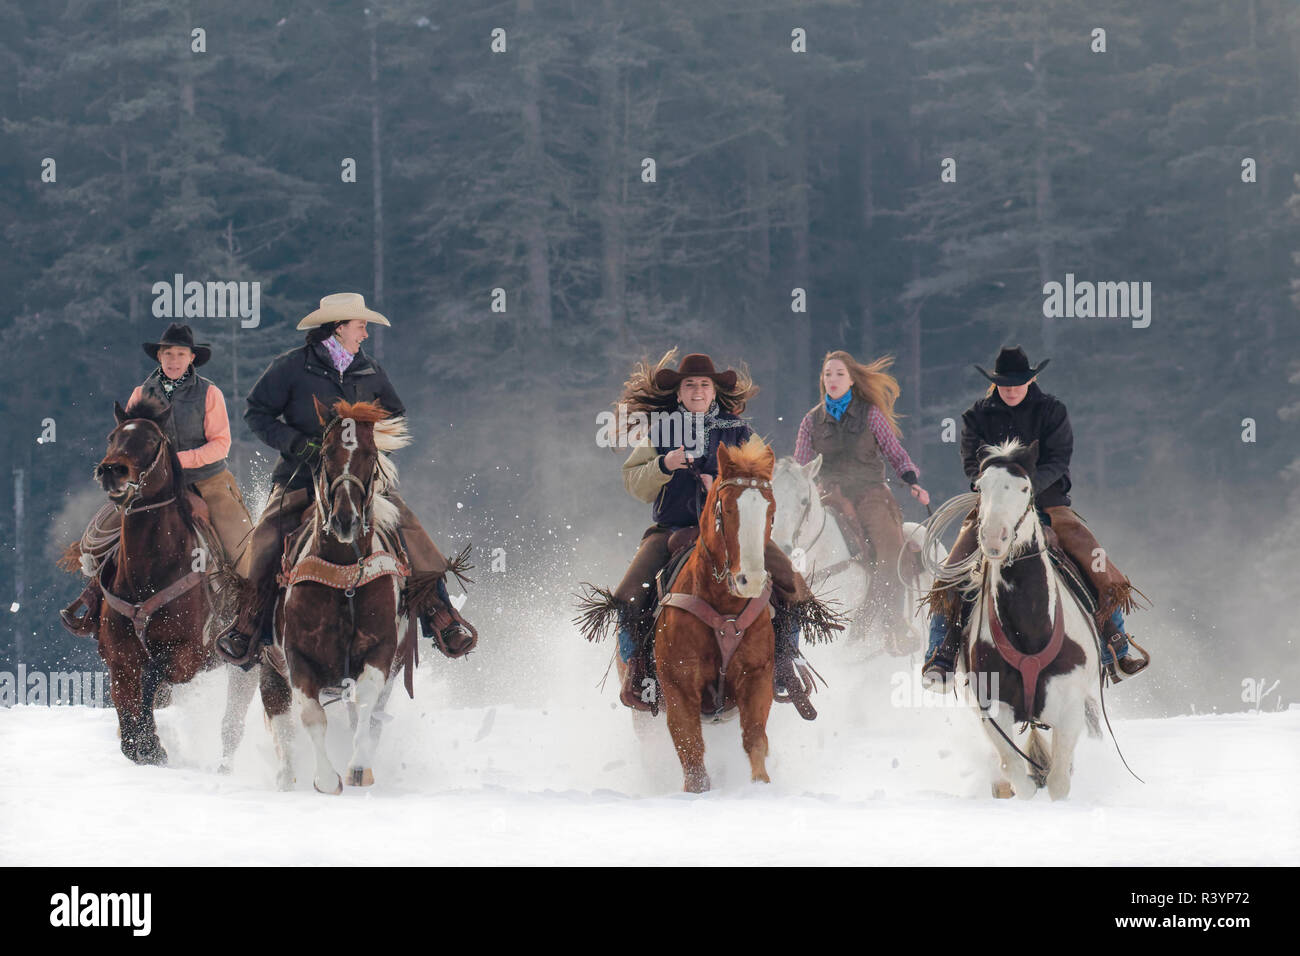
{"x":1115,"y":673}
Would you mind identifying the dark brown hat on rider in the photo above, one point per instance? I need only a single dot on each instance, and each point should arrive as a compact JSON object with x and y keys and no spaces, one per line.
{"x":179,"y":335}
{"x":1012,"y":367}
{"x":697,"y":364}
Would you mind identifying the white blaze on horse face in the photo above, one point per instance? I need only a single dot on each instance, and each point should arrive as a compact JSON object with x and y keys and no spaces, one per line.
{"x":751,"y":532}
{"x":1004,"y":499}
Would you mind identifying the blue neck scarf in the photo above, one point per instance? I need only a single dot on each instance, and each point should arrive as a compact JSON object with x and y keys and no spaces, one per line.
{"x":835,"y":406}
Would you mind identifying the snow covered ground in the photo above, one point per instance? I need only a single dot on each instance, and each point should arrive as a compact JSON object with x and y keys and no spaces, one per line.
{"x":568,"y":781}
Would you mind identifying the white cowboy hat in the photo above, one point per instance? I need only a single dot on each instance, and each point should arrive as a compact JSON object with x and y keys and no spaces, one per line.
{"x":342,"y":307}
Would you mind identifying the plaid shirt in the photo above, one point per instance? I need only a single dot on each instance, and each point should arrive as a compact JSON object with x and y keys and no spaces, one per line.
{"x":890,"y":446}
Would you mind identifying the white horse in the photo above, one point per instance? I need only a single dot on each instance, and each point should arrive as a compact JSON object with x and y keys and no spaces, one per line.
{"x":804,"y":529}
{"x":1024,"y":611}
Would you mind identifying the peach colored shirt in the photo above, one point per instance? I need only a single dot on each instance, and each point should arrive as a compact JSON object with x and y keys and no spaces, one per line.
{"x":216,"y":429}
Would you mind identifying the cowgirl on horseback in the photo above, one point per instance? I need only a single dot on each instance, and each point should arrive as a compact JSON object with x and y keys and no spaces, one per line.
{"x":674,"y":481}
{"x":199,"y":430}
{"x":856,"y":432}
{"x":1015,"y":407}
{"x":281,"y":411}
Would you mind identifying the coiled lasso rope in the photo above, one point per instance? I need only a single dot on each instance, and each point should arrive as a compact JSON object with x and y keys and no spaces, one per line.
{"x":954,"y":509}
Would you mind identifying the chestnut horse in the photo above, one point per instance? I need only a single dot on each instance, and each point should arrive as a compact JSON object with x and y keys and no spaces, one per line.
{"x":340,"y":619}
{"x":714,"y":643}
{"x":153,"y":618}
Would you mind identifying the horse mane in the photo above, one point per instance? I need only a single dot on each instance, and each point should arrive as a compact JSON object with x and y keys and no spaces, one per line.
{"x":155,"y":410}
{"x":391,"y":432}
{"x":750,"y":458}
{"x":1009,"y":452}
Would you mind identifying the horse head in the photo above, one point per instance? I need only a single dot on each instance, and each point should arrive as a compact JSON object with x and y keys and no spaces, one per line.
{"x":737,"y":520}
{"x":798,"y":501}
{"x":139,"y":459}
{"x":1005,"y":486}
{"x":354,"y":472}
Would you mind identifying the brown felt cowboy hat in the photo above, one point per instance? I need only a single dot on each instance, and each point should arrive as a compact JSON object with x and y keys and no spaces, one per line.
{"x":342,"y":307}
{"x":1012,"y":367}
{"x":179,"y":335}
{"x":697,"y":364}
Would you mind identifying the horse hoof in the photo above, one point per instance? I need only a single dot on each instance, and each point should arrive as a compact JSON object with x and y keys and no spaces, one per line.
{"x":1002,"y":790}
{"x":761,"y":778}
{"x":225,"y":770}
{"x":285,"y":780}
{"x":360,"y":777}
{"x":337,"y":787}
{"x":696,"y":785}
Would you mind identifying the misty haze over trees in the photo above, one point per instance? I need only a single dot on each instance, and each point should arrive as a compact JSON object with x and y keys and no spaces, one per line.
{"x":774,"y":170}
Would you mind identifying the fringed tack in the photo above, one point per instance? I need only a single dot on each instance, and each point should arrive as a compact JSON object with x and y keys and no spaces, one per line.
{"x":599,"y":611}
{"x":420,"y":596}
{"x":459,"y":565}
{"x":817,"y":620}
{"x":70,"y":560}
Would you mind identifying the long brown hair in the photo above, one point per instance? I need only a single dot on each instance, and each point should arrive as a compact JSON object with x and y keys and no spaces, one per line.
{"x":871,"y":383}
{"x":641,"y":394}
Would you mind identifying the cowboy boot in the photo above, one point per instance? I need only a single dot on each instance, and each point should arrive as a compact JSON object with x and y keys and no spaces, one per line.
{"x":1121,"y":656}
{"x":792,"y":675}
{"x":237,"y":645}
{"x":86,"y":624}
{"x":941,"y":663}
{"x":451,"y":633}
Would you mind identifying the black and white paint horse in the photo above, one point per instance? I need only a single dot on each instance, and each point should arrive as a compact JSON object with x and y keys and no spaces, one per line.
{"x":1029,"y":640}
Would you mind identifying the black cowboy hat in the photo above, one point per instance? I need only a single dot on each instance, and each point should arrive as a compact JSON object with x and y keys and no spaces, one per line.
{"x":179,"y":335}
{"x":1012,"y":367}
{"x":693,"y":365}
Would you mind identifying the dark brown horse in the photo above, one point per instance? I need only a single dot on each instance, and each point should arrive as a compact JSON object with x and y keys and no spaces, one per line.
{"x":714,"y":644}
{"x":153,"y":617}
{"x":342,"y":618}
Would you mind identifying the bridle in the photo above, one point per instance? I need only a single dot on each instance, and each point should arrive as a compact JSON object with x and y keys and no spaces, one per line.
{"x":803,"y":516}
{"x":325,"y":491}
{"x":1015,"y":529}
{"x":724,"y":573}
{"x":127,"y":505}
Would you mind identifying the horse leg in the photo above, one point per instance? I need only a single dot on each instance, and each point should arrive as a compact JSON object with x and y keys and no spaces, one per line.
{"x":369,"y":686}
{"x":124,"y":684}
{"x":682,"y":698}
{"x":149,"y":748}
{"x":276,"y":700}
{"x":754,"y":696}
{"x":240,"y":685}
{"x":1009,"y":767}
{"x":1064,"y":738}
{"x":326,"y":779}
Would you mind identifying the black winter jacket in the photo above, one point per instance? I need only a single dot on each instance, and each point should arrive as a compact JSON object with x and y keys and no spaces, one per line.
{"x":1039,"y":417}
{"x":281,"y":412}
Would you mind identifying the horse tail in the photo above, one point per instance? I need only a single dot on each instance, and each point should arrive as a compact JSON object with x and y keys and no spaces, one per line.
{"x":1037,"y":751}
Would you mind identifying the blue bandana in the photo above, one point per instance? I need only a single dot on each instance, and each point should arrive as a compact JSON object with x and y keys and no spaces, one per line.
{"x":835,"y":406}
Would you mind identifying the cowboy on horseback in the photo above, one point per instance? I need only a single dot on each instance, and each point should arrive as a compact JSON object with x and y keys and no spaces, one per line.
{"x":1016,"y":408}
{"x":674,"y":480}
{"x":199,"y":431}
{"x":856,"y":432}
{"x":281,"y":411}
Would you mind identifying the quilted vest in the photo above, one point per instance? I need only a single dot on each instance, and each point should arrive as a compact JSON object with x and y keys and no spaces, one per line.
{"x":185,"y":431}
{"x":851,"y":456}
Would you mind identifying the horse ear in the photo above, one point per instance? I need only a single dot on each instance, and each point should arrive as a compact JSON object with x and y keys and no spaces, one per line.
{"x":813,"y":468}
{"x":1030,"y":456}
{"x":119,"y":412}
{"x":769,"y":461}
{"x":321,"y":410}
{"x":724,"y":459}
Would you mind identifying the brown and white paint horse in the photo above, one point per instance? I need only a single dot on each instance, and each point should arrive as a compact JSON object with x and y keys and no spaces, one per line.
{"x":156,"y":606}
{"x":341,"y":618}
{"x":1028,"y":637}
{"x":714,"y":644}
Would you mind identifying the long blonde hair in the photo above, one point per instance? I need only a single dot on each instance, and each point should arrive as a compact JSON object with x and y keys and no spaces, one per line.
{"x":871,"y":383}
